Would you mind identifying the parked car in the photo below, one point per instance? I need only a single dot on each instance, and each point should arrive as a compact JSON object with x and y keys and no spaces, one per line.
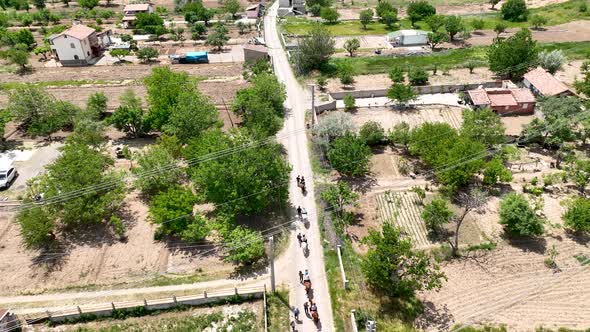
{"x":7,"y":175}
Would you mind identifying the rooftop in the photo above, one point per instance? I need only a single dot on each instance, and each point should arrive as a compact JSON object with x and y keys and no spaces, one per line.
{"x":138,"y":7}
{"x":547,"y":84}
{"x":78,"y":31}
{"x":398,"y":33}
{"x":501,"y":96}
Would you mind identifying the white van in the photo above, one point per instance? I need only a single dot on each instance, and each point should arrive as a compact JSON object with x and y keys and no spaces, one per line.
{"x":7,"y":175}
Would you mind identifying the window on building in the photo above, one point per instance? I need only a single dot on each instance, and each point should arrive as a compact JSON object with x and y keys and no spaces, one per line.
{"x":72,"y":45}
{"x":87,"y":53}
{"x":524,"y":106}
{"x":506,"y":107}
{"x":76,"y":57}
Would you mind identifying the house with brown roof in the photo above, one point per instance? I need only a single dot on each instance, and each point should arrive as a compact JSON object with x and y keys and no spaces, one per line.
{"x":254,"y":11}
{"x":79,"y":45}
{"x":130,"y":12}
{"x":544,"y":84}
{"x":507,"y":100}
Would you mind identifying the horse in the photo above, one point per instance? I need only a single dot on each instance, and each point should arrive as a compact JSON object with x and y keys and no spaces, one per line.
{"x":315,"y":316}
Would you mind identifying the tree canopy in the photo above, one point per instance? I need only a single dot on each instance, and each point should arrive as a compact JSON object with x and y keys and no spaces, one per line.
{"x":253,"y":177}
{"x":156,"y":170}
{"x":315,"y":49}
{"x":577,"y":216}
{"x":513,"y":56}
{"x":483,"y":126}
{"x":172,"y":210}
{"x":349,"y":155}
{"x":394,"y":268}
{"x":514,"y":10}
{"x":419,"y":10}
{"x":518,"y":217}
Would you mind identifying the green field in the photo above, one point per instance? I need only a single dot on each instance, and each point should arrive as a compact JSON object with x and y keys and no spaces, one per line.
{"x":555,"y":14}
{"x":456,"y":58}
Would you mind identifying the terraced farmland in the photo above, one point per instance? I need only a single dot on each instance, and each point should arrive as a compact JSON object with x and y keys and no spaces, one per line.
{"x":401,"y":209}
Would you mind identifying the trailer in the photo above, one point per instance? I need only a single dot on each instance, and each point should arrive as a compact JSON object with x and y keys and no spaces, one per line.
{"x":190,"y":57}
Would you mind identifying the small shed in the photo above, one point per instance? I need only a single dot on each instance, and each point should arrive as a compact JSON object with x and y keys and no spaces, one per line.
{"x":255,"y":52}
{"x":408,"y":37}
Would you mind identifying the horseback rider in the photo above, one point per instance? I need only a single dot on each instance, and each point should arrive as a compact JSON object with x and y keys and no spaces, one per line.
{"x":303,"y":238}
{"x":306,"y":276}
{"x":299,"y":211}
{"x":313,"y":307}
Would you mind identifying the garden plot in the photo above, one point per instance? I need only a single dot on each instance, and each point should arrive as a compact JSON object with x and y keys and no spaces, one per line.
{"x":402,"y":210}
{"x":365,"y":41}
{"x":389,"y":117}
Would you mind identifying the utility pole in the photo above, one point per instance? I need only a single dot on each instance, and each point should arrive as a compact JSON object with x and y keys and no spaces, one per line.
{"x":312,"y":105}
{"x":272,"y":263}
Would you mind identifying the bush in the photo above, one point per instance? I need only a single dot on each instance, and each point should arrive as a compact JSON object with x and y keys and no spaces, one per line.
{"x":349,"y":102}
{"x":372,"y":133}
{"x":396,"y":74}
{"x":334,"y":125}
{"x":552,"y":61}
{"x":514,"y":10}
{"x":329,"y":14}
{"x":577,"y":216}
{"x":322,"y":82}
{"x":518,"y":217}
{"x":537,"y":21}
{"x":315,"y":10}
{"x":349,"y":155}
{"x":418,"y":76}
{"x":436,"y":214}
{"x":478,"y":24}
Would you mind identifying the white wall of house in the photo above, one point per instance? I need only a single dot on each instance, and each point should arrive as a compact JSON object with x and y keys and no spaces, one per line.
{"x":71,"y":49}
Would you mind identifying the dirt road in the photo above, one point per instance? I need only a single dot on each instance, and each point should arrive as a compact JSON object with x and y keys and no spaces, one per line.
{"x":297,"y":148}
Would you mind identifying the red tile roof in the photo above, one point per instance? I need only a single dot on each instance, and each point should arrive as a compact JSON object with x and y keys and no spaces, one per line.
{"x":138,"y":7}
{"x":501,"y":96}
{"x":547,"y":84}
{"x":78,"y":31}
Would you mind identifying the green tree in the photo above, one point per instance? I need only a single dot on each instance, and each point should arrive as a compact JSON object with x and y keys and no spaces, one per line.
{"x":366,"y":17}
{"x":437,"y":38}
{"x":42,"y":50}
{"x":37,"y":228}
{"x":495,"y":172}
{"x":561,"y":116}
{"x":329,"y":14}
{"x":39,"y":4}
{"x":251,"y":189}
{"x":514,"y":10}
{"x":579,"y":172}
{"x":401,"y":93}
{"x":349,"y":155}
{"x":583,"y":85}
{"x":147,"y":54}
{"x":436,"y":214}
{"x":400,"y":134}
{"x":231,"y":7}
{"x":538,"y":21}
{"x":192,"y":115}
{"x":464,"y":160}
{"x":349,"y":102}
{"x":577,"y":216}
{"x":453,"y":25}
{"x":419,"y":10}
{"x":164,"y":87}
{"x":514,"y":56}
{"x":243,"y":245}
{"x":518,"y":217}
{"x":417,"y":76}
{"x":372,"y":133}
{"x":156,"y":170}
{"x":338,"y":197}
{"x":351,"y":45}
{"x":314,"y":50}
{"x":120,"y":54}
{"x":130,"y":120}
{"x":385,"y":6}
{"x":172,"y":210}
{"x":389,"y":19}
{"x":218,"y":38}
{"x":88,"y":4}
{"x":435,"y":22}
{"x":151,"y":23}
{"x":499,"y":28}
{"x":18,"y":55}
{"x":88,"y":130}
{"x":393,"y":268}
{"x":346,"y":73}
{"x":97,"y":104}
{"x":396,"y":74}
{"x":478,"y":24}
{"x":198,"y":29}
{"x":552,"y":61}
{"x":483,"y":126}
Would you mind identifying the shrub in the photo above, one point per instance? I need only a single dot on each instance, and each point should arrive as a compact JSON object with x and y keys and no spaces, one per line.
{"x":537,"y":21}
{"x":329,"y":14}
{"x":418,"y":76}
{"x":322,"y":82}
{"x":396,"y":74}
{"x":577,"y":216}
{"x":514,"y":10}
{"x":349,"y":155}
{"x":552,"y":61}
{"x":478,"y":24}
{"x":518,"y":217}
{"x":372,"y":133}
{"x":336,"y":124}
{"x":349,"y":102}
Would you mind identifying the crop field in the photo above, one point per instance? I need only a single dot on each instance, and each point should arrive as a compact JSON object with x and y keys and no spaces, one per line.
{"x":402,"y":209}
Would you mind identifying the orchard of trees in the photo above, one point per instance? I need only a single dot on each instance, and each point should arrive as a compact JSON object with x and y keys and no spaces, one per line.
{"x":182,"y":169}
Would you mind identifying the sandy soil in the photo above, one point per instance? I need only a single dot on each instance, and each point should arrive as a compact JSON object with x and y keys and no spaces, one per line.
{"x":97,"y":258}
{"x":569,"y":32}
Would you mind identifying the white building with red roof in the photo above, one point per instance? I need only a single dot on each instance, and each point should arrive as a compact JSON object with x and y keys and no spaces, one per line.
{"x":78,"y":45}
{"x":544,"y":84}
{"x":130,"y":11}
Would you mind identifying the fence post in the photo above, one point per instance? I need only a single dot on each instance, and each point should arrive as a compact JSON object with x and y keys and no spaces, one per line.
{"x":113,"y":305}
{"x":236,"y":290}
{"x":205,"y":294}
{"x":48,"y":314}
{"x":145,"y":303}
{"x":79,"y":310}
{"x":174,"y":298}
{"x":344,"y":280}
{"x":353,"y":321}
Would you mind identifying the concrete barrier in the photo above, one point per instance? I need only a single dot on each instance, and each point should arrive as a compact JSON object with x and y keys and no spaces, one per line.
{"x":425,"y":89}
{"x":344,"y":279}
{"x":102,"y":310}
{"x":353,"y":321}
{"x":329,"y":106}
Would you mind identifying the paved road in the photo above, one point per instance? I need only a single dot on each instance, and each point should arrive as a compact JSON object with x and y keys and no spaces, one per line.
{"x":297,"y":148}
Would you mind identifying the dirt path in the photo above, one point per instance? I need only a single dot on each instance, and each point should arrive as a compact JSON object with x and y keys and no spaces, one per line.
{"x":59,"y":301}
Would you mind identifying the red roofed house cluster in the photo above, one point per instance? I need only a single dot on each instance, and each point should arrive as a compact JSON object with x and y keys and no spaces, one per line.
{"x":78,"y":45}
{"x":544,"y":84}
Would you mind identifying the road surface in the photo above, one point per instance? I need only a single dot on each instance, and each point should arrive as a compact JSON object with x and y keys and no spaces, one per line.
{"x":296,"y":145}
